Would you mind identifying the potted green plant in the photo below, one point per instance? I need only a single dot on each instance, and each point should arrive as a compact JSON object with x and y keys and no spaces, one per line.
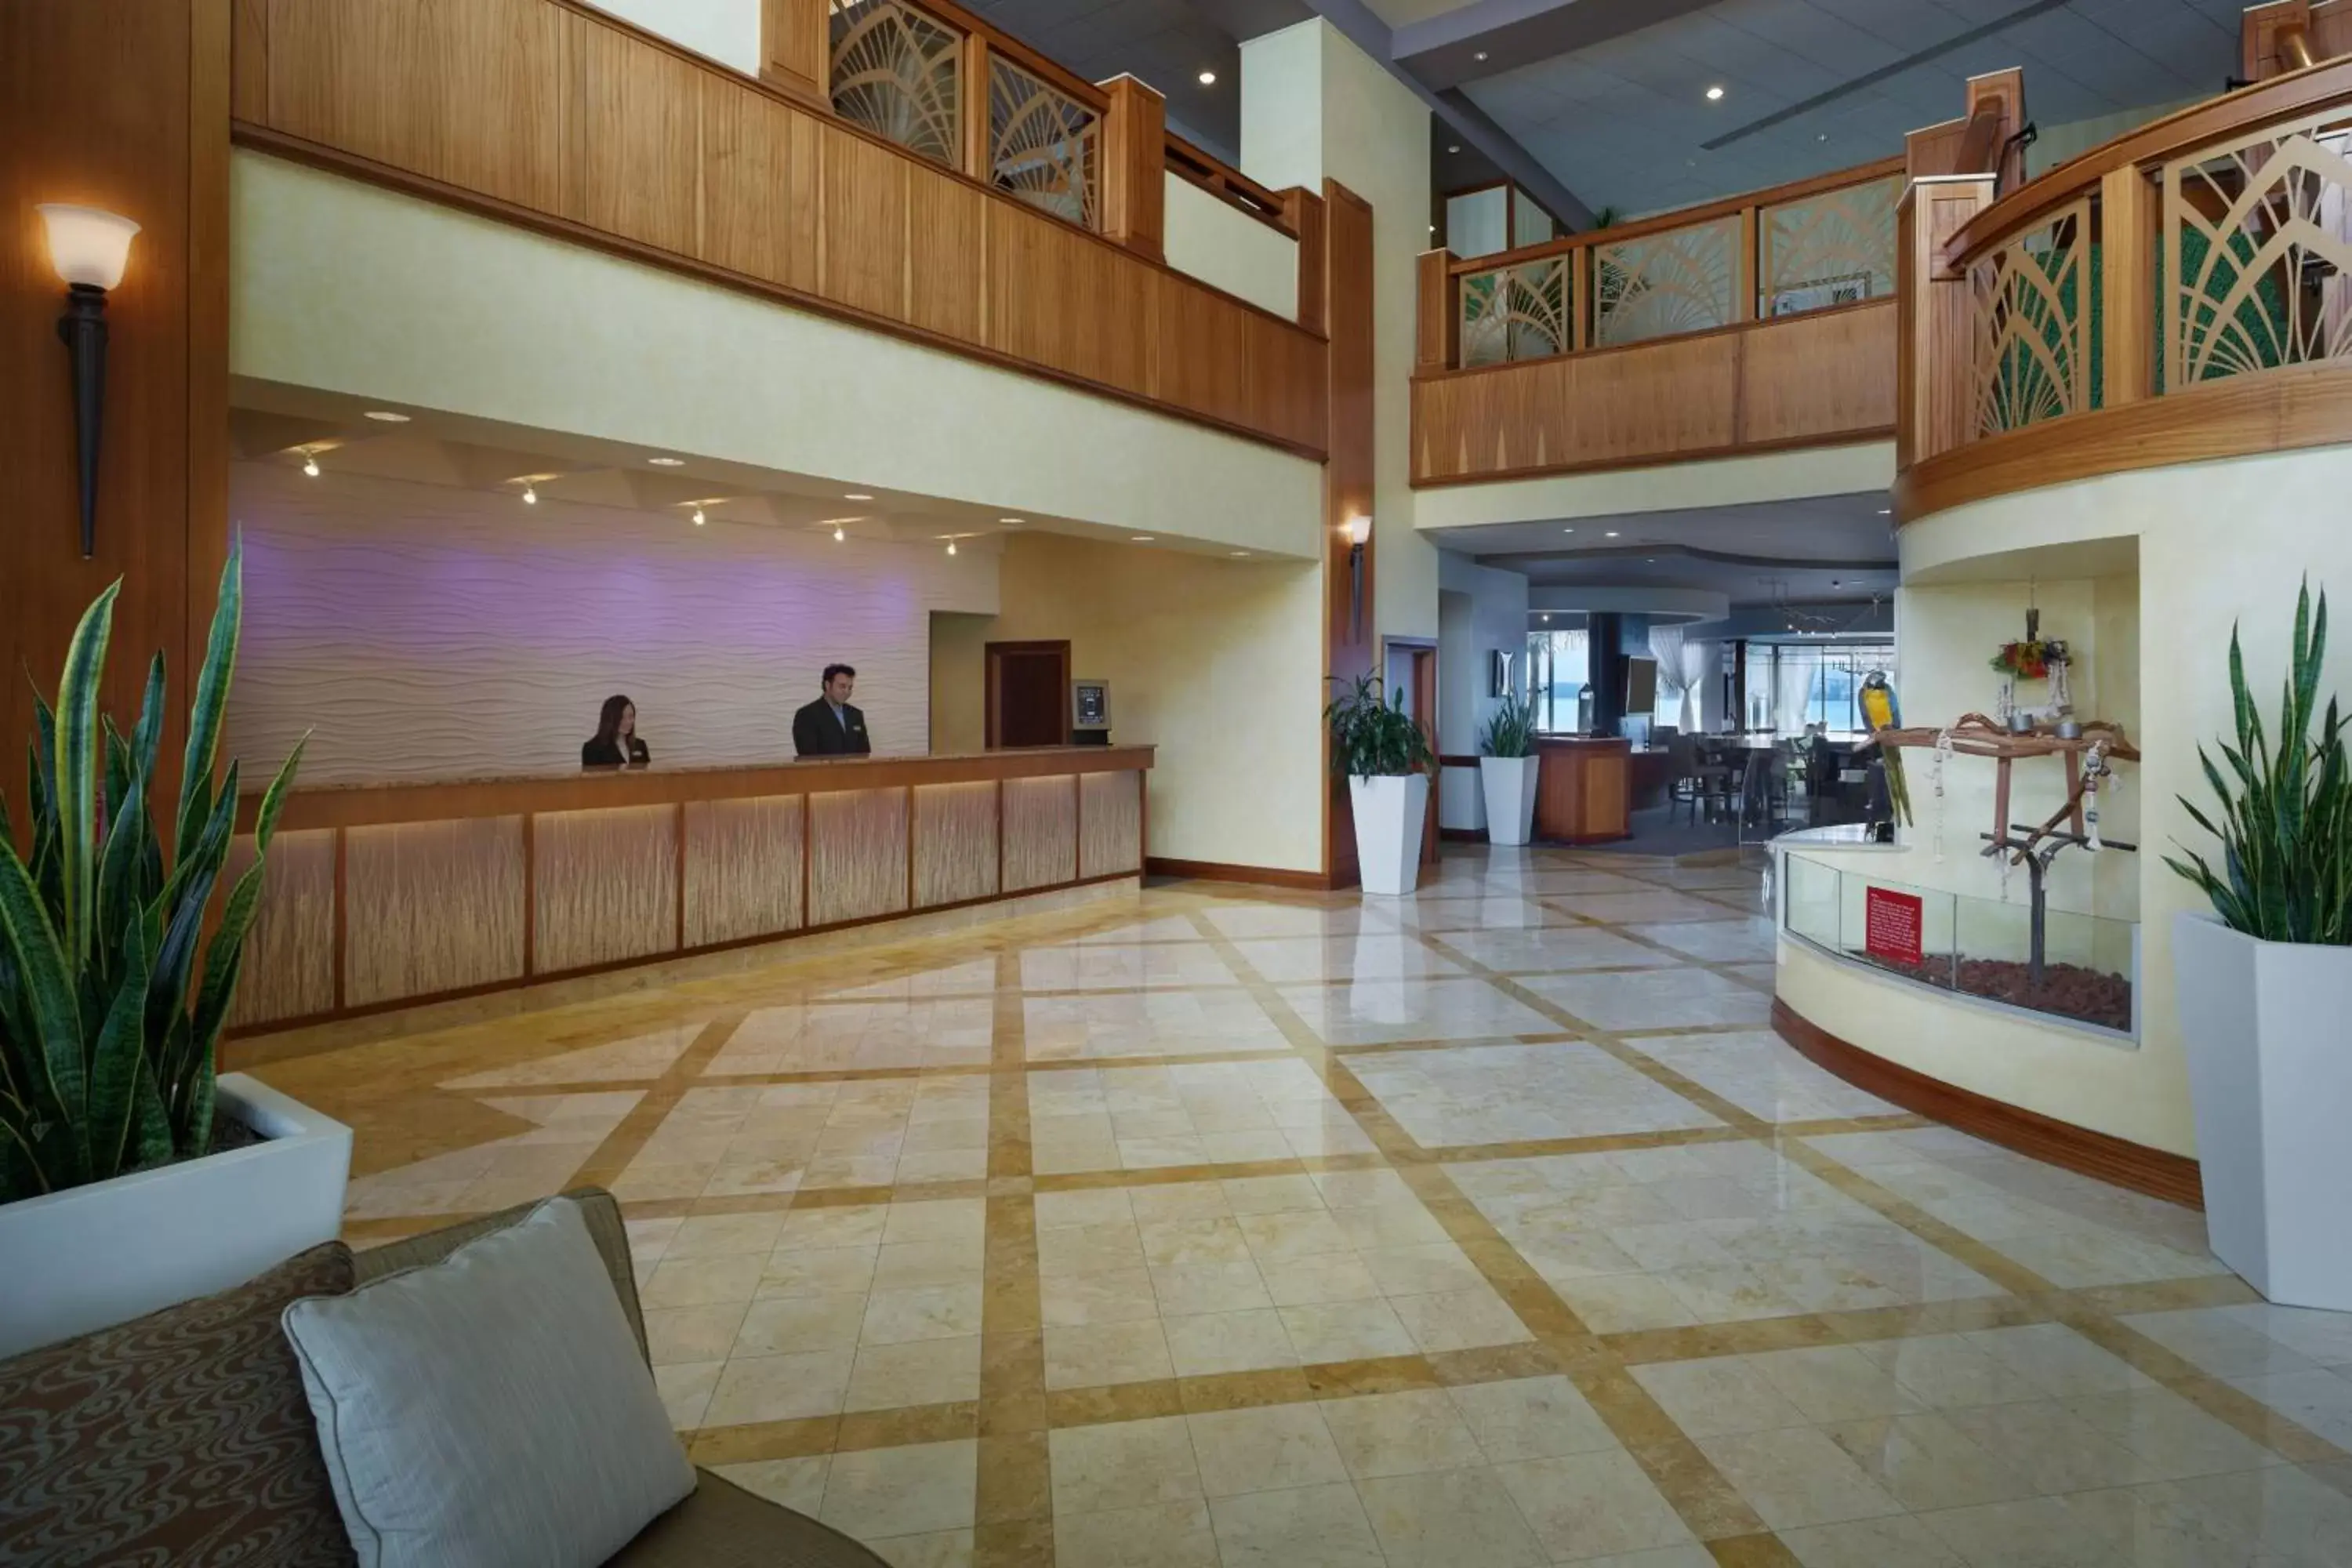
{"x":131,"y":1175}
{"x":1386,"y":760}
{"x":1506,"y":772}
{"x":2263,"y":986}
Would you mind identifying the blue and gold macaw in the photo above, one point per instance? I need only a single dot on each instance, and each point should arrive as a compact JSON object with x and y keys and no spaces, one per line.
{"x":1880,"y":710}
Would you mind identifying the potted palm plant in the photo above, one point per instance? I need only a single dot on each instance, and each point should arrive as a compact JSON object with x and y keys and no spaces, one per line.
{"x":2264,"y":985}
{"x":1507,"y":773}
{"x":1386,"y":758}
{"x":131,"y":1175}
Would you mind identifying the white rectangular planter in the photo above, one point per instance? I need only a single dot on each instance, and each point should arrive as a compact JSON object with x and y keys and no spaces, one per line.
{"x":1387,"y":811}
{"x":2269,"y":1079}
{"x":91,"y":1256}
{"x":1510,"y":786}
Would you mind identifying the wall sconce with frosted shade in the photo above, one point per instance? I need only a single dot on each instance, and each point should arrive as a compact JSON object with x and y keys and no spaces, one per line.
{"x":90,"y":247}
{"x":1358,"y":529}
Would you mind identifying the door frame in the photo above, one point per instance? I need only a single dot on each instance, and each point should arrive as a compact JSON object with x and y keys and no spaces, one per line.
{"x":1424,"y":706}
{"x":993,"y":654}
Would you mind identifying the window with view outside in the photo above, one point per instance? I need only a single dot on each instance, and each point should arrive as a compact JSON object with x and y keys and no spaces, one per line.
{"x":1557,"y":671}
{"x":1828,"y":674}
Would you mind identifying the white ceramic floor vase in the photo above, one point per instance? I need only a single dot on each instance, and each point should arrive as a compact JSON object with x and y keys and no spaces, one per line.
{"x":1388,"y":812}
{"x":2269,"y":1079}
{"x":1510,"y":786}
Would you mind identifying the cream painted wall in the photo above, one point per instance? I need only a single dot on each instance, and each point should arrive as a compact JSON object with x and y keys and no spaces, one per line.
{"x":1222,"y":246}
{"x":959,"y":703}
{"x":427,"y":632}
{"x":345,"y":286}
{"x":1481,"y":610}
{"x":2219,"y":543}
{"x":726,"y":31}
{"x":1217,"y":662}
{"x":1315,"y":105}
{"x":1668,"y":487}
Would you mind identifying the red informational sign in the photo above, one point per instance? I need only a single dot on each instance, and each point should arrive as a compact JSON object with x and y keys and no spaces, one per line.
{"x":1890,"y":925}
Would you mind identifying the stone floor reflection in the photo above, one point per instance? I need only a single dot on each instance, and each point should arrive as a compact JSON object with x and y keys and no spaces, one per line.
{"x":1216,"y":1225}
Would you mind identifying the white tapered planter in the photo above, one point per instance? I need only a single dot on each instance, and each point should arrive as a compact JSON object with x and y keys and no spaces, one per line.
{"x":1387,"y":811}
{"x":1510,"y":786}
{"x":2270,"y":1080}
{"x":88,"y":1258}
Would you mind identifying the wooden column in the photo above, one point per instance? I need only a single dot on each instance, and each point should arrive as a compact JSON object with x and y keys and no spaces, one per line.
{"x":979,"y":149}
{"x":1743,"y":302}
{"x":1437,"y":314}
{"x":1302,"y":209}
{"x":1936,"y":376}
{"x":1348,"y":478}
{"x":121,"y":104}
{"x":2127,"y":209}
{"x":1134,"y":167}
{"x":796,"y":50}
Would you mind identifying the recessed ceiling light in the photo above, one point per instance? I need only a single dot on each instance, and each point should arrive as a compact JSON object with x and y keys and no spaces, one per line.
{"x":699,"y":517}
{"x":1547,"y":620}
{"x":666,"y":462}
{"x":1715,"y":95}
{"x":1010,"y":522}
{"x":1208,"y":79}
{"x":1886,"y":511}
{"x":1821,"y":136}
{"x":1568,"y":531}
{"x":1456,"y":147}
{"x":530,"y":494}
{"x":1141,"y":538}
{"x":1612,"y":533}
{"x":839,"y":533}
{"x":387,"y":417}
{"x":952,"y":547}
{"x":310,"y":464}
{"x":1237,"y":552}
{"x":855,"y":495}
{"x":1482,"y":54}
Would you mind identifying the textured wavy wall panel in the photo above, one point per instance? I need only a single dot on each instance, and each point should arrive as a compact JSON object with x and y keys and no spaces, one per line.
{"x":289,"y":957}
{"x":427,"y":632}
{"x":603,"y":886}
{"x":857,"y":855}
{"x":955,"y":843}
{"x":431,"y":907}
{"x":1041,"y":832}
{"x":743,"y":868}
{"x":1110,"y":823}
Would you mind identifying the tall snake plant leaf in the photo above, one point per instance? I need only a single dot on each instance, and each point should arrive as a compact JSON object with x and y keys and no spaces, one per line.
{"x":223,"y":960}
{"x":117,"y":1066}
{"x":127,"y":839}
{"x":183,"y":909}
{"x":205,"y":718}
{"x":52,"y":1046}
{"x":45,"y":865}
{"x":77,"y":756}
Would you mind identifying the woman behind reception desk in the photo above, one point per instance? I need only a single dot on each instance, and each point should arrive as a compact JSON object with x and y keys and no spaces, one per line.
{"x":615,"y":743}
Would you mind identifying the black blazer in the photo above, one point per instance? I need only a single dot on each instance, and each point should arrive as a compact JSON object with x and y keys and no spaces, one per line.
{"x":603,"y":754}
{"x":817,"y":733}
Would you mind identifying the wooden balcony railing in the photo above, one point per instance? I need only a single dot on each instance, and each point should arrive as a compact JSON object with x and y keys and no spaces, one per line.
{"x":2184,"y":291}
{"x":1764,"y":320}
{"x":906,"y":168}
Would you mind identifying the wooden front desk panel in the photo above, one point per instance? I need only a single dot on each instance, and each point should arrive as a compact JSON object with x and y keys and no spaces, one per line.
{"x":383,"y":895}
{"x":1583,"y":789}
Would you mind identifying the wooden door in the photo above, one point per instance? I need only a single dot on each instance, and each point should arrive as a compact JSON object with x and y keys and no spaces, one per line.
{"x":1424,"y":713}
{"x":1028,"y":694}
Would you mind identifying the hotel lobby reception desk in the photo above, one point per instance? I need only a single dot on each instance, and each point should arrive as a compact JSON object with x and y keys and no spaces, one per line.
{"x":380,"y":896}
{"x":1583,"y":789}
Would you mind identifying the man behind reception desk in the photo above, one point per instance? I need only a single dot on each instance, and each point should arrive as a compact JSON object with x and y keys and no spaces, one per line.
{"x":830,"y":727}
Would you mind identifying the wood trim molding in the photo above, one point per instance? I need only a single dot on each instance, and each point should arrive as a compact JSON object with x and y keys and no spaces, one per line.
{"x":1220,"y":872}
{"x":1603,"y":351}
{"x":2155,"y":1172}
{"x":2263,"y":411}
{"x":1663,"y":459}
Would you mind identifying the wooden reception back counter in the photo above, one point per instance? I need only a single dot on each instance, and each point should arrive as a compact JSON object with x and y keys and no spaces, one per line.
{"x":382,"y":895}
{"x":1584,"y":789}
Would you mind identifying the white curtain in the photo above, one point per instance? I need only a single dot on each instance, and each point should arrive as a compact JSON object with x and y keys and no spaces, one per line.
{"x":1793,"y":685}
{"x":1696,"y":656}
{"x":1682,"y":665}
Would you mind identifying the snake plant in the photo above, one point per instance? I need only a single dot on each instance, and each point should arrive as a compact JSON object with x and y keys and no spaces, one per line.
{"x":107,"y":1023}
{"x":2286,"y":825}
{"x":1511,"y":732}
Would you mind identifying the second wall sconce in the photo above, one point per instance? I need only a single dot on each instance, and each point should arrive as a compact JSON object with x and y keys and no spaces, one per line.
{"x":90,"y":248}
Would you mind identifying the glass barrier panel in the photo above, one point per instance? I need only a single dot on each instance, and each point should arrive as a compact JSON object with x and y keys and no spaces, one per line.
{"x":1809,"y":900}
{"x":1832,"y":249}
{"x":1682,"y":280}
{"x":899,"y":74}
{"x":1896,"y":926}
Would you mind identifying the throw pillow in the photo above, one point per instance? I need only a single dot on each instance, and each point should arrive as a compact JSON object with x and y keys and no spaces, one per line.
{"x":181,"y":1440}
{"x":491,"y":1410}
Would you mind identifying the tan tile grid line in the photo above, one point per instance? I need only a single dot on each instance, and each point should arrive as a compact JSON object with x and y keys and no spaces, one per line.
{"x":1015,"y":1410}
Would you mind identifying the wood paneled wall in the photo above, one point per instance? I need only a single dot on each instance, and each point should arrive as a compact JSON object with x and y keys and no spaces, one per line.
{"x":1809,"y":380}
{"x":544,"y":112}
{"x":121,"y":104}
{"x":384,"y":898}
{"x":1346,"y":230}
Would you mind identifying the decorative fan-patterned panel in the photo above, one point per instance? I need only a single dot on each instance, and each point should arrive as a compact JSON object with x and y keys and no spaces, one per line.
{"x":1679,"y":281}
{"x":899,"y":74}
{"x":2258,"y":251}
{"x":1044,"y":146}
{"x":2031,"y":316}
{"x":1516,"y":313}
{"x":1832,"y":249}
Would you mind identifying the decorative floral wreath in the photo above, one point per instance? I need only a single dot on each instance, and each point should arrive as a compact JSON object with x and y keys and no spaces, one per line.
{"x":2030,"y":660}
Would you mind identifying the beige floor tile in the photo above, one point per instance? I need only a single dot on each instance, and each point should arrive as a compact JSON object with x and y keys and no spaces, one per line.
{"x":1591,"y":1505}
{"x":1898,"y":1541}
{"x":795,"y":1484}
{"x":1325,"y":1277}
{"x":1164,"y":1535}
{"x":1717,"y":1394}
{"x":1945,"y":1372}
{"x":941,"y":1548}
{"x":2038,"y":1532}
{"x":818,"y":1271}
{"x":2058,"y":1361}
{"x":1089,"y":1355}
{"x":933,"y":1313}
{"x":903,"y":1266}
{"x":1400,"y":1434}
{"x":1834,"y":1383}
{"x":1310,"y":1526}
{"x":1265,"y":1449}
{"x":706,"y":1281}
{"x":1175,"y":1243}
{"x":779,"y":1387}
{"x":2052,"y":1446}
{"x":1797,"y":1477}
{"x":1619,"y":1304}
{"x":921,"y":1490}
{"x":2169,"y":1435}
{"x":1123,"y":1465}
{"x":850,"y":1224}
{"x":1530,"y":1418}
{"x":1188,"y":1288}
{"x":1119,"y":1296}
{"x":1925,"y":1462}
{"x":919,"y":1371}
{"x":791,"y":1324}
{"x":1448,"y":1518}
{"x":1345,"y":1331}
{"x":1089,"y":1248}
{"x":715,"y":1235}
{"x":685,"y":1388}
{"x":1459,"y":1320}
{"x":1212,"y":1342}
{"x":691,"y":1333}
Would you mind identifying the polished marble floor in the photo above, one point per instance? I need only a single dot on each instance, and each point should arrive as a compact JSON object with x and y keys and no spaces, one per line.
{"x":1215,"y":1226}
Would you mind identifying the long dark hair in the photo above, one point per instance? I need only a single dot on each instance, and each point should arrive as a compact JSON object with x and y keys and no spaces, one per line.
{"x":608,"y":722}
